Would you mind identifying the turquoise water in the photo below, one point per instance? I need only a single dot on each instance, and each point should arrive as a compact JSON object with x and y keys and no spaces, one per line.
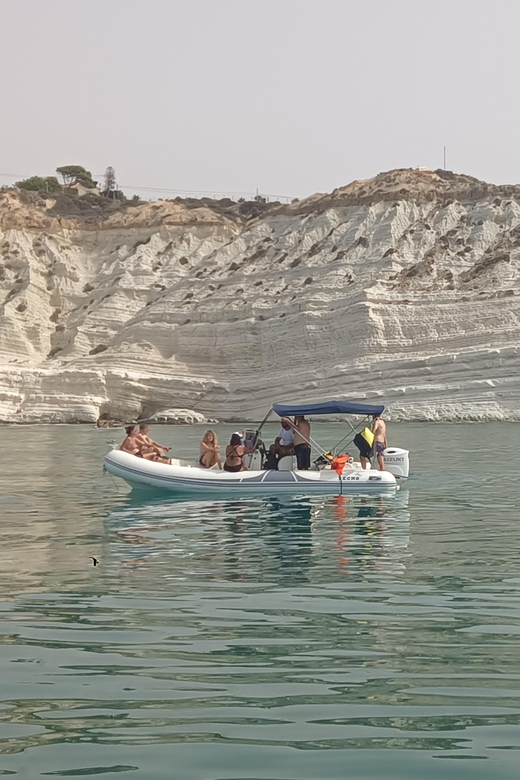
{"x":276,"y":639}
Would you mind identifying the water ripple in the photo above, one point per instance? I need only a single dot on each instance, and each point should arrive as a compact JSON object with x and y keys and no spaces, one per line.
{"x":288,"y":638}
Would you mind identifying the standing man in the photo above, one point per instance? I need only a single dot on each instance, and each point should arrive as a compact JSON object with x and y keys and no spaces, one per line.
{"x":380,"y":443}
{"x":302,"y":447}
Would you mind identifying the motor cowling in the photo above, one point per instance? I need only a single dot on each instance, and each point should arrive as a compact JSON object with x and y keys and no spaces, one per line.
{"x":397,"y":461}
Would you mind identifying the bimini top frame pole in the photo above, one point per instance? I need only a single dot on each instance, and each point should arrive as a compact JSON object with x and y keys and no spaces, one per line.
{"x":329,"y":407}
{"x":257,"y":432}
{"x":362,"y":424}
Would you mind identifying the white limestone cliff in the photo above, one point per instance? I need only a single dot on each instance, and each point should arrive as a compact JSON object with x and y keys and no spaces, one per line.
{"x":402,"y":289}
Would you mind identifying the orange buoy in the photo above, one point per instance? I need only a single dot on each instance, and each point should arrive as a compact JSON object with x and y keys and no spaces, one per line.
{"x":338,"y":463}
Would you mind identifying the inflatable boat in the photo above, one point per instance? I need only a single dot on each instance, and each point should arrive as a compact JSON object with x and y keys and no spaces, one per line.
{"x":327,"y":474}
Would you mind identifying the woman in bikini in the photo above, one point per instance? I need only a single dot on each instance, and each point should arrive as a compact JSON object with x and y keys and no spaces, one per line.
{"x":209,"y":451}
{"x":235,"y":451}
{"x":132,"y":444}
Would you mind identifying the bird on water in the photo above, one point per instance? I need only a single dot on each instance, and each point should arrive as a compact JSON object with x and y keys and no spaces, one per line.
{"x":94,"y":560}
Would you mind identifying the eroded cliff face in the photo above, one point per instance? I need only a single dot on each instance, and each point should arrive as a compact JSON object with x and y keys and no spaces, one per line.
{"x":402,"y":289}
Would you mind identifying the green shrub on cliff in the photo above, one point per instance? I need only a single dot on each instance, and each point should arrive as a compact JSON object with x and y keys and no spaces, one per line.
{"x":39,"y":184}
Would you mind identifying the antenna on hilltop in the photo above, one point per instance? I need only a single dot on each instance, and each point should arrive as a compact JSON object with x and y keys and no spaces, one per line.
{"x":444,"y":158}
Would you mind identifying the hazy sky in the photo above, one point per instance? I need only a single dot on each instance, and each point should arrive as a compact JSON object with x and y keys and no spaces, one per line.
{"x":287,"y":96}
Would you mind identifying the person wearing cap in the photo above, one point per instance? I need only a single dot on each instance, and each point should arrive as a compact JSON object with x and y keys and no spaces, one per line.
{"x":284,"y":442}
{"x":235,"y":451}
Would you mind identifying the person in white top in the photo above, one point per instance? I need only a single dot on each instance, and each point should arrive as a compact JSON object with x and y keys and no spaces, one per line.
{"x":284,"y":442}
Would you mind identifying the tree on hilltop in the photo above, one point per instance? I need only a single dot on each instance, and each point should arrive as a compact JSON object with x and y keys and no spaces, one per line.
{"x":111,"y":188}
{"x":39,"y":184}
{"x":76,"y":174}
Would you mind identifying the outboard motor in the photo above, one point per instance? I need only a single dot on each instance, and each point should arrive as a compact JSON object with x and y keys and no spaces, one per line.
{"x":397,"y":462}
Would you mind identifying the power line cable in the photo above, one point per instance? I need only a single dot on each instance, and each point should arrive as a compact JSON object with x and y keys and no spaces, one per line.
{"x":203,"y":193}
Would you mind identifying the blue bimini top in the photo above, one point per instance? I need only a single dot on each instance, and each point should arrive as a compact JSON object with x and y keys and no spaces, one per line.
{"x":327,"y":407}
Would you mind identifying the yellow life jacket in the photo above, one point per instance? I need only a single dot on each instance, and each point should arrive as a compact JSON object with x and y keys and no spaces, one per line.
{"x":368,"y":436}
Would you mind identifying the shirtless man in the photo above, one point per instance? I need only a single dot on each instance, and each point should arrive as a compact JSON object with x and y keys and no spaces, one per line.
{"x":380,"y":443}
{"x":149,"y":445}
{"x":302,"y":448}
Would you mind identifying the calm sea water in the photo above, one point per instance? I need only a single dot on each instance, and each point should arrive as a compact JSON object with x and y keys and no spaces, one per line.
{"x":265,"y":638}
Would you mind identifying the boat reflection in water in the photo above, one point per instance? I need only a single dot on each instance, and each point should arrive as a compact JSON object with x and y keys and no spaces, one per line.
{"x":302,"y":537}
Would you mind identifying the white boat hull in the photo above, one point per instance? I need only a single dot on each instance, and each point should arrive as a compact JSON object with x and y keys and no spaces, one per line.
{"x":183,"y":479}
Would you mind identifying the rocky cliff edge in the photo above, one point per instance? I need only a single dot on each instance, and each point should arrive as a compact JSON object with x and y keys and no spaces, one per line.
{"x":401,"y":289}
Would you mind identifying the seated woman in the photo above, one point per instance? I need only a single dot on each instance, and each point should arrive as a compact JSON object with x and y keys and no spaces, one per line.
{"x":209,"y":451}
{"x":133,"y":445}
{"x":235,"y":451}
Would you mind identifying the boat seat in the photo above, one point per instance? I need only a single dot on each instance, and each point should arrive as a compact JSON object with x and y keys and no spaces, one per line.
{"x":287,"y":463}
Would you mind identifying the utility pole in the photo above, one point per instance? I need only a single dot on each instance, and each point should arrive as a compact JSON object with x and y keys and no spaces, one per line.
{"x":444,"y":158}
